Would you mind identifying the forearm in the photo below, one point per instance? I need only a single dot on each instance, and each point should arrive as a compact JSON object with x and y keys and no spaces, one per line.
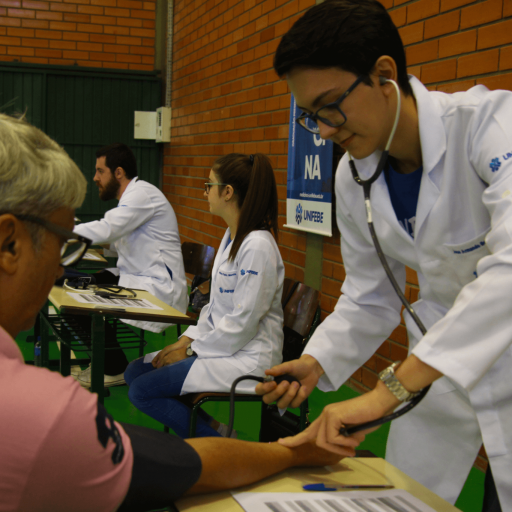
{"x":228,"y":463}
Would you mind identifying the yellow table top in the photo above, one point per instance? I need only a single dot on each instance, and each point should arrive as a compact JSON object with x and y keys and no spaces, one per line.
{"x":357,"y":471}
{"x":63,"y":301}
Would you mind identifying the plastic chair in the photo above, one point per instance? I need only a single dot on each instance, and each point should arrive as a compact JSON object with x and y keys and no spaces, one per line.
{"x":301,"y":316}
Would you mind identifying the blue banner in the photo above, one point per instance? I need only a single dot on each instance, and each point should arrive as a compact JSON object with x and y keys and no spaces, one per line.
{"x":309,"y":185}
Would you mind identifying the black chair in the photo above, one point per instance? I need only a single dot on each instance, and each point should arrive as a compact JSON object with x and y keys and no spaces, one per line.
{"x":301,"y":316}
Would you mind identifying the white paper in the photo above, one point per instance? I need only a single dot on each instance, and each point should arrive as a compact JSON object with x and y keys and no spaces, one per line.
{"x":393,"y":500}
{"x":86,"y":298}
{"x":91,"y":256}
{"x":149,"y":357}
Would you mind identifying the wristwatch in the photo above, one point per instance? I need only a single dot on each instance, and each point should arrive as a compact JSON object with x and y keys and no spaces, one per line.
{"x":190,"y":352}
{"x":393,"y":384}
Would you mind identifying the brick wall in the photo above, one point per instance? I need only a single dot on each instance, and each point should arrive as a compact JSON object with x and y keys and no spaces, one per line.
{"x":116,"y":34}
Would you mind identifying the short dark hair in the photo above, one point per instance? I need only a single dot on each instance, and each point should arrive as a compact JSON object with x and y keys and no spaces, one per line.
{"x":347,"y":34}
{"x":119,"y":155}
{"x":252,"y":178}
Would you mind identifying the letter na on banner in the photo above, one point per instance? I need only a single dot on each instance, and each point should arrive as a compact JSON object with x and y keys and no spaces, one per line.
{"x":312,"y":167}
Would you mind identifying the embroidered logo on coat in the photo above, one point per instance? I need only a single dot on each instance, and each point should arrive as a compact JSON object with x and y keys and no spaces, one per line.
{"x":495,"y":164}
{"x":253,"y":272}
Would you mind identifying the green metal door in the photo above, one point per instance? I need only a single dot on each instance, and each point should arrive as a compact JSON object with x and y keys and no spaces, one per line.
{"x":84,"y":110}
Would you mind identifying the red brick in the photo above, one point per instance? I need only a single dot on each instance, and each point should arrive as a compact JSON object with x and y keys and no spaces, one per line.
{"x":439,"y":71}
{"x":104,"y":3}
{"x":35,"y":24}
{"x":110,"y":57}
{"x":399,"y":16}
{"x":90,"y":9}
{"x":52,"y":16}
{"x":464,"y":42}
{"x":129,"y":4}
{"x":103,"y":20}
{"x":422,"y":9}
{"x":102,"y":38}
{"x":478,"y":63}
{"x":148,"y":15}
{"x":119,"y":31}
{"x":423,"y":52}
{"x":452,"y":87}
{"x":129,"y":22}
{"x":63,"y":45}
{"x":506,"y":58}
{"x":75,"y":55}
{"x":10,"y":41}
{"x":497,"y":82}
{"x":60,"y":7}
{"x":116,"y":48}
{"x":75,"y":36}
{"x":112,"y":11}
{"x":128,"y":58}
{"x":61,"y":25}
{"x":412,"y":33}
{"x":56,"y":54}
{"x":48,"y":34}
{"x":21,"y":13}
{"x":142,"y":50}
{"x":10,"y":3}
{"x":448,"y":5}
{"x":20,"y":32}
{"x":142,"y":32}
{"x":133,"y":41}
{"x":40,"y":6}
{"x":89,"y":27}
{"x":77,"y":18}
{"x":441,"y":25}
{"x":507,"y":8}
{"x":14,"y":50}
{"x":481,"y":13}
{"x":89,"y":47}
{"x":495,"y":35}
{"x":10,"y":22}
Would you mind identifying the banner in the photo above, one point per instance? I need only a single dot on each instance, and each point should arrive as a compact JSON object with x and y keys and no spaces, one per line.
{"x":309,"y":186}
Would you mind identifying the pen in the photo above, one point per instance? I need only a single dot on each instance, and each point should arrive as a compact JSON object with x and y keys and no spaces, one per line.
{"x":335,"y":487}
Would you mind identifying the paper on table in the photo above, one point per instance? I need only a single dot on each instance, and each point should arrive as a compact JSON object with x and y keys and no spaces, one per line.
{"x":395,"y":499}
{"x":149,"y":357}
{"x":85,"y":298}
{"x":90,"y":256}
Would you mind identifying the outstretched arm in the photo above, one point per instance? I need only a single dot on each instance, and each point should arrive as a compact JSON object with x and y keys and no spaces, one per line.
{"x":229,"y":463}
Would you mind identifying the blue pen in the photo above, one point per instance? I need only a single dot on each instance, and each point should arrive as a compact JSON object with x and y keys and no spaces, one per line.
{"x":337,"y":487}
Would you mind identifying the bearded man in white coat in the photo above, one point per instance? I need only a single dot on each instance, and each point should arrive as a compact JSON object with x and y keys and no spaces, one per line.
{"x":443,"y":207}
{"x":143,"y":232}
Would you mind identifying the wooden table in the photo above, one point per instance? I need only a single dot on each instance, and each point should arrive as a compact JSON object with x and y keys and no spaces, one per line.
{"x":349,"y":471}
{"x":59,"y":326}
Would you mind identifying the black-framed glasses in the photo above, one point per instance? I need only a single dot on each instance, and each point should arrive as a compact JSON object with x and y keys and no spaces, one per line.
{"x":330,"y":114}
{"x":75,"y":246}
{"x":208,"y":185}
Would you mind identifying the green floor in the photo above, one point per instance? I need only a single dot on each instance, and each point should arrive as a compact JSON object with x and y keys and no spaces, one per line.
{"x":246,"y":421}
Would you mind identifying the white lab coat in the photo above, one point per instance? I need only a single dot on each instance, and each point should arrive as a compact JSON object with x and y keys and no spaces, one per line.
{"x":463,"y":230}
{"x":241,"y":330}
{"x":143,"y":231}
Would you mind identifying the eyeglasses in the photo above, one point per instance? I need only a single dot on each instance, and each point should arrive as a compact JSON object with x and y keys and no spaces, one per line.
{"x":75,"y":246}
{"x":208,"y":185}
{"x":329,"y":114}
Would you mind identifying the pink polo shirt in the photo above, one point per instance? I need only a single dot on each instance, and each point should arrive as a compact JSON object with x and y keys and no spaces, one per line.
{"x":52,"y":453}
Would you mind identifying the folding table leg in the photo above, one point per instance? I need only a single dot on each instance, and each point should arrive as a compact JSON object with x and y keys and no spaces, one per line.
{"x":98,"y":355}
{"x":65,"y":359}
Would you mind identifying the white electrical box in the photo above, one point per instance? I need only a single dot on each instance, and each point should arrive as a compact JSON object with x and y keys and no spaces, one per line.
{"x":144,"y":125}
{"x":163,"y":124}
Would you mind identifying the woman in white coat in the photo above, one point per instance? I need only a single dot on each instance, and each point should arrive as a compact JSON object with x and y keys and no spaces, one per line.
{"x":241,"y":330}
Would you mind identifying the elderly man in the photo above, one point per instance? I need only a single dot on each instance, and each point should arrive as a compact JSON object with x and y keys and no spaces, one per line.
{"x":60,"y":449}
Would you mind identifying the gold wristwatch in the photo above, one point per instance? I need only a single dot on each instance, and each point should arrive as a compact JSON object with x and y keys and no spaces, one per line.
{"x":393,"y":384}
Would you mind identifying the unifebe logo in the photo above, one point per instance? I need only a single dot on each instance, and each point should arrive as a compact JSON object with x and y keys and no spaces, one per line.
{"x":242,"y":272}
{"x":495,"y":164}
{"x":298,"y":213}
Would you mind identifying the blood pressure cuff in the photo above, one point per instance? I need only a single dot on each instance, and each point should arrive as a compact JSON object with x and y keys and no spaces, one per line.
{"x":164,"y":468}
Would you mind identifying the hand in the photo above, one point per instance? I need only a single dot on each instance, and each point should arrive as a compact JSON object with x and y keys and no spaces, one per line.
{"x":325,"y":429}
{"x":180,"y":345}
{"x":307,"y":369}
{"x":310,"y":454}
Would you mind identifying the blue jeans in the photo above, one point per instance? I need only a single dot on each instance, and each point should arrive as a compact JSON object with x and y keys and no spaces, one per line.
{"x":152,"y":391}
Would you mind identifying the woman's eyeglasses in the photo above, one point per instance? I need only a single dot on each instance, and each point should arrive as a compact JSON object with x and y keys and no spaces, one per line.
{"x":208,"y":185}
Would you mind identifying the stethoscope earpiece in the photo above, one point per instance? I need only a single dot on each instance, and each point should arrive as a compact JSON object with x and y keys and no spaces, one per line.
{"x":382,"y":80}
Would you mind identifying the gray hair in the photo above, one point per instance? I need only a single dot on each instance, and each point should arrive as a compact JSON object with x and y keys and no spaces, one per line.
{"x":37,"y":176}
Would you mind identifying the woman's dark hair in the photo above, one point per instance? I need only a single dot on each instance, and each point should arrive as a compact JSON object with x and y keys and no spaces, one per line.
{"x":119,"y":155}
{"x":253,"y":181}
{"x":346,"y":34}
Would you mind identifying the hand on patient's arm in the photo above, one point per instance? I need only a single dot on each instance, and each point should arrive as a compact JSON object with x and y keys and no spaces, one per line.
{"x":307,"y":369}
{"x":229,"y":463}
{"x":412,"y":373}
{"x":172,"y":353}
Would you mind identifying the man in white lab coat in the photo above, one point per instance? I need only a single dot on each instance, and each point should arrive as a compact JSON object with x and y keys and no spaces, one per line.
{"x":143,"y":232}
{"x":443,"y":207}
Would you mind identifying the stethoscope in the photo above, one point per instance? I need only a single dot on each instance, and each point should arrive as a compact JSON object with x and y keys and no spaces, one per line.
{"x":366,"y":184}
